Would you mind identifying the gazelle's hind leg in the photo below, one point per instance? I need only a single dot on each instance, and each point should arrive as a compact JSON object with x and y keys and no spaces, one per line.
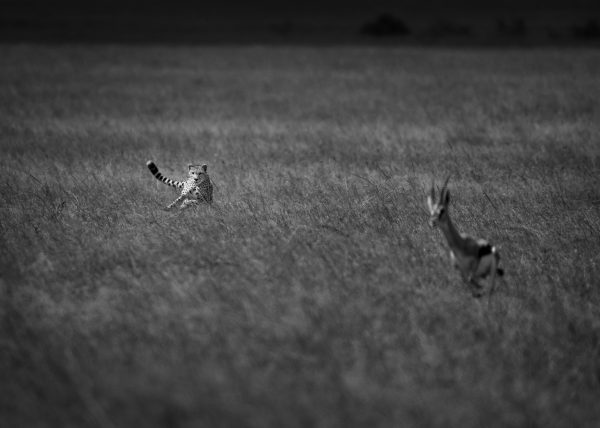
{"x":495,"y":272}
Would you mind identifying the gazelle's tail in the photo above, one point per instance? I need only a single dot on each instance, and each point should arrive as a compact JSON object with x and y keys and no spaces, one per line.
{"x":155,"y":172}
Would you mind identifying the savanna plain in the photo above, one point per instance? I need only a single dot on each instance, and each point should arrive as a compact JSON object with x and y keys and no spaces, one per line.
{"x":312,"y":292}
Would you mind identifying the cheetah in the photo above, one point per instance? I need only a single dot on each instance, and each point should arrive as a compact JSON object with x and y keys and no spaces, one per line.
{"x":196,"y":189}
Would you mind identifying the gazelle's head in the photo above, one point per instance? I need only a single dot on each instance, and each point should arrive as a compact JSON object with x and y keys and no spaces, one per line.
{"x":196,"y":171}
{"x":438,"y":207}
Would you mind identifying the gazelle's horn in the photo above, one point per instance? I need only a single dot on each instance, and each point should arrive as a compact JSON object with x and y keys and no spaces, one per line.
{"x":431,"y":198}
{"x":444,"y":188}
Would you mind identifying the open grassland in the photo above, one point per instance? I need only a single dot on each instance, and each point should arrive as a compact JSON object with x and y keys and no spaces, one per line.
{"x":313,"y":292}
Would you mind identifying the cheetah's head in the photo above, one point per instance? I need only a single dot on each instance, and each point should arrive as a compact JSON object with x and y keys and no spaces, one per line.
{"x":196,"y":171}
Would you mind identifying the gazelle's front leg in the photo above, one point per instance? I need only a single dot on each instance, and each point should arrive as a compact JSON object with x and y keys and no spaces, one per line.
{"x":476,"y":288}
{"x":175,"y":202}
{"x":471,"y":283}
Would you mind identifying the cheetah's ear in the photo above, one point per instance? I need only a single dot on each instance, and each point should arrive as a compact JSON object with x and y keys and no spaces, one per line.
{"x":204,"y":167}
{"x":190,"y":166}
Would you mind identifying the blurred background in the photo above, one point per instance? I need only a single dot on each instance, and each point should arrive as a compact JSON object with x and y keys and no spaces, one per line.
{"x":456,"y":22}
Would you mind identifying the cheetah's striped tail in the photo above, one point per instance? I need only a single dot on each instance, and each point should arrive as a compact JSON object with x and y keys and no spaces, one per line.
{"x":155,"y":172}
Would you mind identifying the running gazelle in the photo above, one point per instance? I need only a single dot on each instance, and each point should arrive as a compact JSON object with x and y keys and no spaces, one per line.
{"x":475,"y":258}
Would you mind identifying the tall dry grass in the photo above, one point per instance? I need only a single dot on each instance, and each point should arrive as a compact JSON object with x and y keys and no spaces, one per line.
{"x":312,"y":293}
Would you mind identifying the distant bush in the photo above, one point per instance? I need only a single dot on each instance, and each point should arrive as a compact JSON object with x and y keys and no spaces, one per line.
{"x":516,"y":28}
{"x":590,"y":30}
{"x":385,"y":25}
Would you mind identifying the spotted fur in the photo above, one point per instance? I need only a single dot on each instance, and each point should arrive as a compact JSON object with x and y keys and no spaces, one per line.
{"x":196,"y":189}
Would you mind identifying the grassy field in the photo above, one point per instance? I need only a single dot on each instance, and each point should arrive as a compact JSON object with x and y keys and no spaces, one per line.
{"x":313,"y":292}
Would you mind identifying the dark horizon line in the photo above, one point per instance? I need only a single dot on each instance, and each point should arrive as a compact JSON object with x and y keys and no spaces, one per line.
{"x":515,"y":33}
